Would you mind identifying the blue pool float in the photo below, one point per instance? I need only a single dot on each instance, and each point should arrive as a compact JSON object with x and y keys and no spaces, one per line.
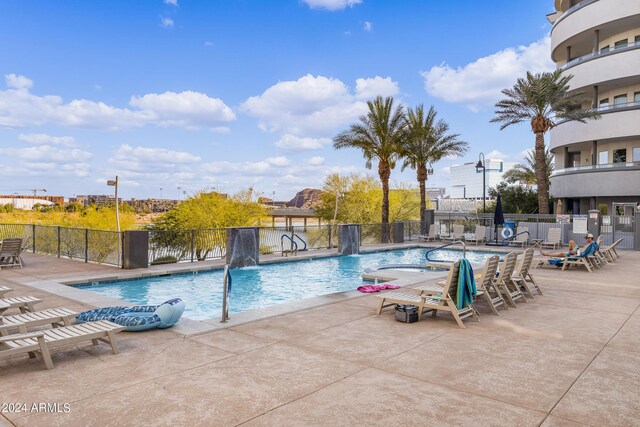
{"x":138,"y":317}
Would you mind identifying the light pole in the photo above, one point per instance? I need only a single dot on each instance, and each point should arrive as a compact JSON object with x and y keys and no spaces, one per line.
{"x":114,"y":183}
{"x":482,"y":165}
{"x":179,"y":188}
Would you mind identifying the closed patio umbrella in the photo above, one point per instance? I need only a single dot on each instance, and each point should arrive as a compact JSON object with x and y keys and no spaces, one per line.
{"x":498,"y":216}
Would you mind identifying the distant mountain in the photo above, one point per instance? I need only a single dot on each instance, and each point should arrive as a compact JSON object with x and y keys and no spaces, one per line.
{"x":309,"y":198}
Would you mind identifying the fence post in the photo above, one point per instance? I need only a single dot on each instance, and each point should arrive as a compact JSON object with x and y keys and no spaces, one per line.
{"x":193,"y":245}
{"x":330,"y":232}
{"x":33,"y":232}
{"x":86,"y":245}
{"x":58,"y":241}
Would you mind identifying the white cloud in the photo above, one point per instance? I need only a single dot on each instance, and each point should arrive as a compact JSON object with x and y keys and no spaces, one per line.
{"x":496,"y":155}
{"x":208,"y":44}
{"x":316,"y":161}
{"x":311,"y":106}
{"x":279,"y":161}
{"x":331,"y":4}
{"x":479,"y":83}
{"x":21,"y":108}
{"x":184,"y":109}
{"x":372,"y":87}
{"x":171,"y":2}
{"x":46,"y":160}
{"x":166,"y":22}
{"x":17,"y":82}
{"x":290,"y":142}
{"x":43,"y":138}
{"x":152,"y":155}
{"x":368,"y":26}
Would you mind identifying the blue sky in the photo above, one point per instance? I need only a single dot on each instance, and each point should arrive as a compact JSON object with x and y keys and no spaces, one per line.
{"x":232,"y":94}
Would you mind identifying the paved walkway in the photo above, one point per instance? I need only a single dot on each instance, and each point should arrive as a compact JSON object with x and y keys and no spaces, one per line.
{"x":568,"y":358}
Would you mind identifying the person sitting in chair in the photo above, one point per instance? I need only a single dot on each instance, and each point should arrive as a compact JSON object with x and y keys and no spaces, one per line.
{"x":573,"y":248}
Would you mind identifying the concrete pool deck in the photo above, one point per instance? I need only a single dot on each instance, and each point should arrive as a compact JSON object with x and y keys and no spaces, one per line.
{"x":570,"y":357}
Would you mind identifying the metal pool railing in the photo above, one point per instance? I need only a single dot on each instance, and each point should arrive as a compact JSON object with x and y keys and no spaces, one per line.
{"x":457,"y":242}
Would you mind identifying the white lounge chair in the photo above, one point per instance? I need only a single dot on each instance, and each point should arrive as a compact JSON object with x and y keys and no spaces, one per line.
{"x":433,"y":234}
{"x":4,"y":290}
{"x":486,"y":287}
{"x":44,"y":341}
{"x":522,"y":237}
{"x":24,"y":303}
{"x":554,"y":239}
{"x":504,"y":282}
{"x":458,"y":233}
{"x":20,"y":322}
{"x":480,"y":235}
{"x":522,"y":276}
{"x":10,"y":252}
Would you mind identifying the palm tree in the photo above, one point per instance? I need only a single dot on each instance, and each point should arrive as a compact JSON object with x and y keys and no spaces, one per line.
{"x":525,"y":173}
{"x":544,"y":100}
{"x":427,"y":143}
{"x":379,"y":135}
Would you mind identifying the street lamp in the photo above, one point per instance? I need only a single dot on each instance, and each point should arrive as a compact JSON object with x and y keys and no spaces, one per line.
{"x":482,"y":165}
{"x":114,"y":183}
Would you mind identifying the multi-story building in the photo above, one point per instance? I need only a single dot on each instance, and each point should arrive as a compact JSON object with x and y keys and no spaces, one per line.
{"x":598,"y":42}
{"x":466,"y":180}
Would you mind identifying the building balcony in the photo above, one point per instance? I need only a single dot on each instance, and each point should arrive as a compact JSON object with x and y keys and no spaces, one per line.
{"x":613,"y":179}
{"x":606,"y":69}
{"x":616,"y":122}
{"x":575,"y":27}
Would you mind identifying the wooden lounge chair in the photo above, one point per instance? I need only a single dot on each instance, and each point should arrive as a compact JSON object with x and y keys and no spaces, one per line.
{"x":10,"y":253}
{"x":54,"y":317}
{"x":458,"y":233}
{"x":581,"y":260}
{"x":504,"y":281}
{"x":610,"y":251}
{"x":4,"y":290}
{"x":521,"y":238}
{"x":44,"y":341}
{"x":486,"y":287}
{"x":522,"y":276}
{"x":433,"y":234}
{"x":432,"y":298}
{"x":480,"y":235}
{"x":554,"y":239}
{"x":23,"y":303}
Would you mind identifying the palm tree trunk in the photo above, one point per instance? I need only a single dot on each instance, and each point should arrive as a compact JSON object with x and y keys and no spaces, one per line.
{"x":385,"y":172}
{"x":422,"y":179}
{"x":541,"y":175}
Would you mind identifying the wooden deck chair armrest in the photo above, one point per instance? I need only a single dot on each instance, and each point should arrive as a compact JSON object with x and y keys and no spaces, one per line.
{"x":21,"y":336}
{"x":432,"y":293}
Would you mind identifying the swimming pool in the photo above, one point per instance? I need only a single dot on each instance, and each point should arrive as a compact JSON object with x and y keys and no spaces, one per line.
{"x":266,"y":285}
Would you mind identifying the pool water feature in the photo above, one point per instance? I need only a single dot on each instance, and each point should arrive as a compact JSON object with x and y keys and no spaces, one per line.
{"x":266,"y":285}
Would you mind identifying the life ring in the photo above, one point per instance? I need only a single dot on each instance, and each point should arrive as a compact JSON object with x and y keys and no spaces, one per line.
{"x":507,"y":233}
{"x":139,"y":317}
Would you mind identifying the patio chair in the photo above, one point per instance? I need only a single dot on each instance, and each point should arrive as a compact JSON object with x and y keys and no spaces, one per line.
{"x":582,"y":259}
{"x":24,"y":303}
{"x":4,"y":290}
{"x":20,"y":322}
{"x":433,"y":234}
{"x":480,"y":235}
{"x":522,"y":276}
{"x":554,"y":236}
{"x":10,"y":253}
{"x":521,"y":238}
{"x":610,"y":251}
{"x":486,"y":287}
{"x":458,"y":232}
{"x":44,"y":341}
{"x":504,"y":281}
{"x":433,"y":298}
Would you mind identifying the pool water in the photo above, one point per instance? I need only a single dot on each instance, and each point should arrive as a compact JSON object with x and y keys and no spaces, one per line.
{"x":266,"y":285}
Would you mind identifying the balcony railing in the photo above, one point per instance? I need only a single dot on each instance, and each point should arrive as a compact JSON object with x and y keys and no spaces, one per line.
{"x":573,"y":9}
{"x":601,"y":53}
{"x":598,"y":168}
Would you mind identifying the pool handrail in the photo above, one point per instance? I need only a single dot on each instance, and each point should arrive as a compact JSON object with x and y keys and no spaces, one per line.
{"x":457,"y":242}
{"x":304,"y":248}
{"x":226,"y":290}
{"x":515,"y":235}
{"x":294,"y":245}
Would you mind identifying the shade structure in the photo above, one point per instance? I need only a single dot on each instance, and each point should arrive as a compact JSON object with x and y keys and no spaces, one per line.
{"x":498,"y":216}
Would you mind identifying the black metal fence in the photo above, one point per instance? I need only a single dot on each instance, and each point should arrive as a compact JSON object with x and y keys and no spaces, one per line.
{"x":100,"y":246}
